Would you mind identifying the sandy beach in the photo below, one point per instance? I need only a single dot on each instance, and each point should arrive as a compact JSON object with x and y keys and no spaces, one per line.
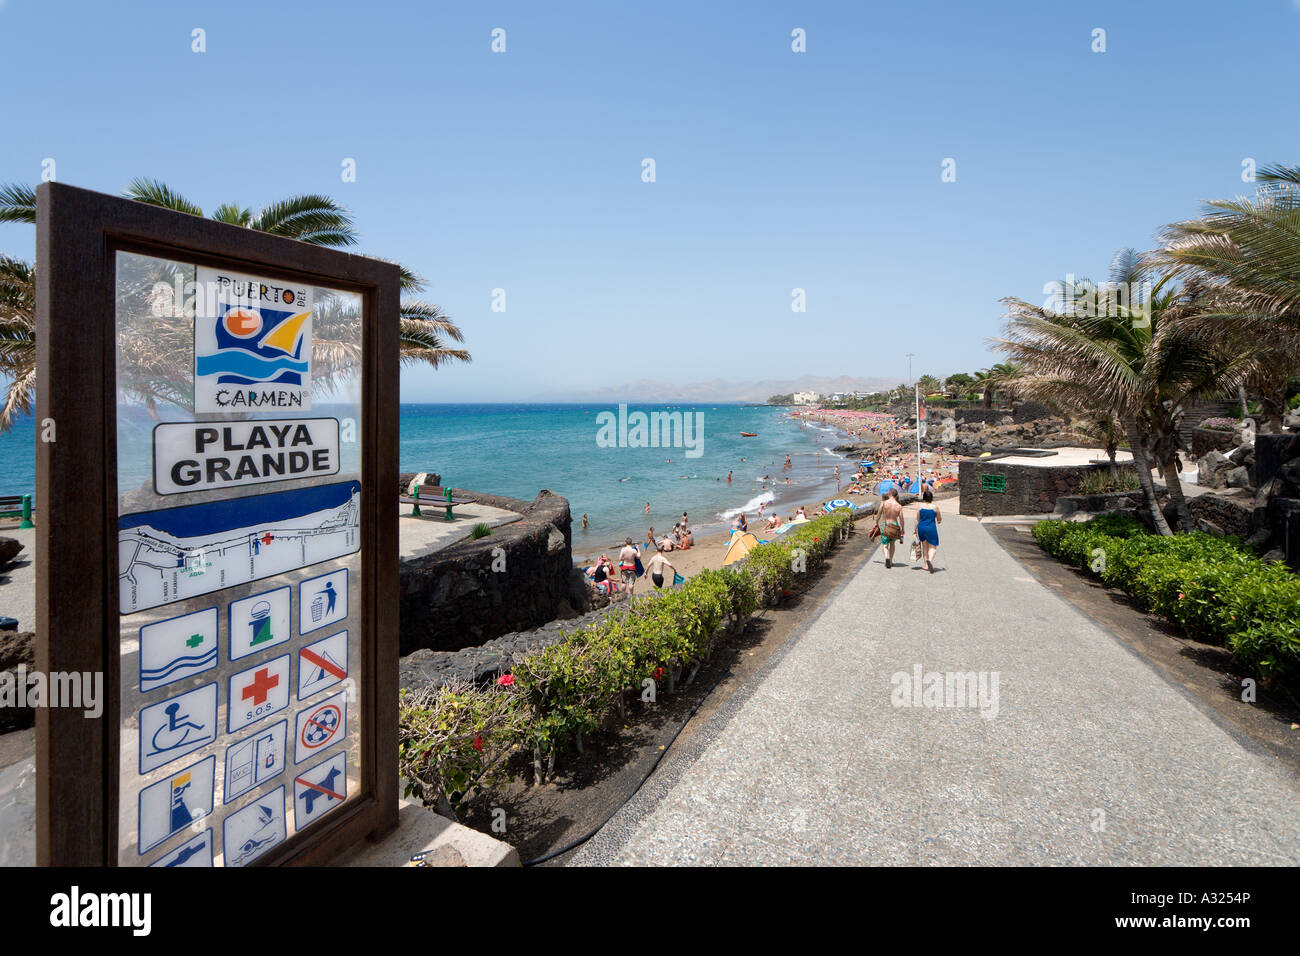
{"x":713,"y":537}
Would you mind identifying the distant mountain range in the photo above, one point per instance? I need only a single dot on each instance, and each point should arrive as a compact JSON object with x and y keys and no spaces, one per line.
{"x":719,"y":390}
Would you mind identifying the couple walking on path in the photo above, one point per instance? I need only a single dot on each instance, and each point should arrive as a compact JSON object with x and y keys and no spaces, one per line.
{"x":892,"y":526}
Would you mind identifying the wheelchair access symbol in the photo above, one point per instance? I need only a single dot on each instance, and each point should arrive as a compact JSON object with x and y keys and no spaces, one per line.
{"x":320,"y":726}
{"x":178,"y":726}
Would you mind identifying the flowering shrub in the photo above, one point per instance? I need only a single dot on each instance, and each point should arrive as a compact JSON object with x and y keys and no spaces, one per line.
{"x":454,"y":741}
{"x":1212,"y":587}
{"x":1219,"y":424}
{"x":458,"y":740}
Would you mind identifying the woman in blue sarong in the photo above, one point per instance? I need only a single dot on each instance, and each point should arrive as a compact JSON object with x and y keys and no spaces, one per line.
{"x":927,"y":528}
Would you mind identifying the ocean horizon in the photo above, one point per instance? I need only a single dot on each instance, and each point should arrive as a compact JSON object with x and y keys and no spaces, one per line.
{"x":586,"y":453}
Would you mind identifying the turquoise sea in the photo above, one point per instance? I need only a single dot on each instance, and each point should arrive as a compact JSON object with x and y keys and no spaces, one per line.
{"x":517,"y":450}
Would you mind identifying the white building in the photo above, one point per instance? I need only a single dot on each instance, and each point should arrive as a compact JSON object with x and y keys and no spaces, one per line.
{"x":805,"y":398}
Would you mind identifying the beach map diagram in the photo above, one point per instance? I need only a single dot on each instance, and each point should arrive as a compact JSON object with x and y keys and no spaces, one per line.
{"x":179,"y":553}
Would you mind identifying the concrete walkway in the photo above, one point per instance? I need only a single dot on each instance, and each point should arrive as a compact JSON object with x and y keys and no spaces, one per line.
{"x":1090,"y":756}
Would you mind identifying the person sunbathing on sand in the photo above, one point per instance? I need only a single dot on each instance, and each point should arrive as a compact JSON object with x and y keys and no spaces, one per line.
{"x":602,"y":575}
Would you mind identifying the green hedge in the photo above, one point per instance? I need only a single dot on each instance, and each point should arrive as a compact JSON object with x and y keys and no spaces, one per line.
{"x":457,"y":740}
{"x":1212,"y":587}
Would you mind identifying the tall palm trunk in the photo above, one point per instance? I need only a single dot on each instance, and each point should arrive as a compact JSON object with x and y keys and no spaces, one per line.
{"x":1175,"y":486}
{"x":1137,"y":442}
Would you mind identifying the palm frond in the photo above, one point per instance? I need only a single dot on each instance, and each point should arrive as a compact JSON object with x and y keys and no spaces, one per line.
{"x":19,"y":397}
{"x":157,"y":193}
{"x":17,"y":203}
{"x":311,"y":218}
{"x":234,"y":214}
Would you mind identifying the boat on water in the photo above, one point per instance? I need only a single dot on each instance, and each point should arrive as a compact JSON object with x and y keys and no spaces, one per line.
{"x":749,"y":434}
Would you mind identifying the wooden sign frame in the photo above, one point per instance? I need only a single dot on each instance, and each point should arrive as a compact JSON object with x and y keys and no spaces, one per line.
{"x":78,"y":234}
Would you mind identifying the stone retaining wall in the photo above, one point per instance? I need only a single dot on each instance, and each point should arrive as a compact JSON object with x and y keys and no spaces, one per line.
{"x":1024,"y":412}
{"x":454,"y":598}
{"x":1030,"y":489}
{"x":427,"y":669}
{"x":1205,"y":440}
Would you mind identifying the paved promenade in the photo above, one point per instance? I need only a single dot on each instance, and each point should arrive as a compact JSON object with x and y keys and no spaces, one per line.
{"x":1085,"y":756}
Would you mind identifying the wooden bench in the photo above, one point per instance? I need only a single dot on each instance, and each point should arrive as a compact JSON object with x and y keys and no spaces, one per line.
{"x":434,"y":495}
{"x":17,"y":506}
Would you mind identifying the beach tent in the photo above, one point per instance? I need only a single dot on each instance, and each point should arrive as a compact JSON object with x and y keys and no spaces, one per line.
{"x":885,"y":486}
{"x":742,"y":542}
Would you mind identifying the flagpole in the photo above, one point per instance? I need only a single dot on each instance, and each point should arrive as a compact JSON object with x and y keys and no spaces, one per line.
{"x":917,"y":396}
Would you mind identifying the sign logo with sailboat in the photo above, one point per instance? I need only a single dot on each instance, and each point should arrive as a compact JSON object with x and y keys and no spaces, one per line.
{"x":252,"y":343}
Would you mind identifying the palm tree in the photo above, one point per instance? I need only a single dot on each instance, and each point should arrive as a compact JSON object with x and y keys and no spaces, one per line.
{"x":1247,"y":251}
{"x":984,"y":382}
{"x":151,"y":370}
{"x":1105,"y":428}
{"x":1137,"y":362}
{"x":17,"y":337}
{"x":1003,"y":378}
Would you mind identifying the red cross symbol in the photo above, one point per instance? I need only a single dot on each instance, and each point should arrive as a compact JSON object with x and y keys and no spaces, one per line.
{"x":261,"y":686}
{"x":267,"y":538}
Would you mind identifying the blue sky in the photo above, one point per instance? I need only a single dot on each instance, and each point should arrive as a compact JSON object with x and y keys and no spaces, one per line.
{"x":775,"y":170}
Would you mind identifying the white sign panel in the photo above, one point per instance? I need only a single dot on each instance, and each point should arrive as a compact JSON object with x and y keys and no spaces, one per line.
{"x":323,"y":601}
{"x":175,"y":727}
{"x":319,"y":790}
{"x":202,"y":456}
{"x":252,"y":830}
{"x":178,"y":647}
{"x":320,"y":725}
{"x":322,"y":665}
{"x":255,"y":760}
{"x":258,"y":692}
{"x":175,"y":803}
{"x":259,"y":622}
{"x":196,"y":852}
{"x":252,"y":343}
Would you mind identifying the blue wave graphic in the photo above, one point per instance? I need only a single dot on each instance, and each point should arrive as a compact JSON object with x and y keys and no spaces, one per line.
{"x":246,"y":364}
{"x":285,"y":378}
{"x":166,"y":670}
